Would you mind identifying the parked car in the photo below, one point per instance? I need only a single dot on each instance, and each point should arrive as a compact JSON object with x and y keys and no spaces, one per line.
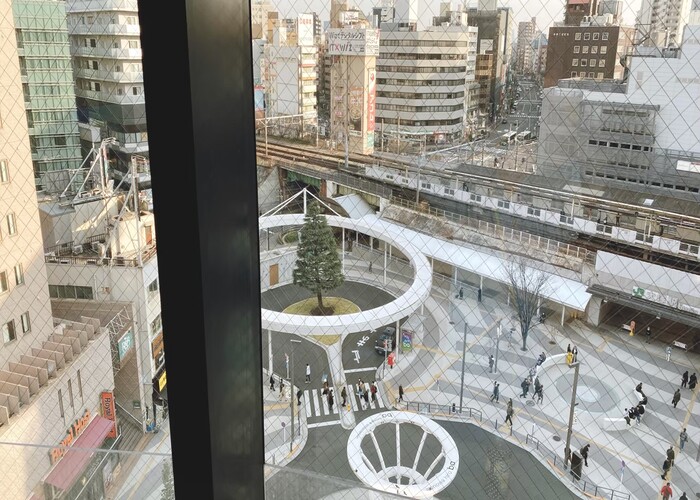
{"x":388,"y":334}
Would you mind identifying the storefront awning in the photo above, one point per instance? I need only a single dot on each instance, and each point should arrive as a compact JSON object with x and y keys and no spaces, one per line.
{"x":73,"y":463}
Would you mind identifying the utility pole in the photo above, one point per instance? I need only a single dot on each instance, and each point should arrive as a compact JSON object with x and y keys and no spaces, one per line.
{"x":567,"y":448}
{"x":292,"y":398}
{"x":464,"y":355}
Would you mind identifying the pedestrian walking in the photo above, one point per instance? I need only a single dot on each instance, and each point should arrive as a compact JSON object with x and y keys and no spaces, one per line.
{"x":568,"y":348}
{"x":400,"y":393}
{"x":369,"y":265}
{"x":634,"y":414}
{"x":509,"y":412}
{"x":569,"y":358}
{"x":373,"y":390}
{"x":692,"y":382}
{"x":272,"y":382}
{"x":478,"y":295}
{"x":628,"y":417}
{"x":648,"y":335}
{"x":344,"y":395}
{"x":639,"y":389}
{"x":281,"y":388}
{"x":668,"y":353}
{"x":540,"y":394}
{"x":671,"y":455}
{"x":496,"y":392}
{"x":299,"y":395}
{"x":683,"y":438}
{"x":574,"y":352}
{"x":526,"y":388}
{"x":666,"y":467}
{"x":331,"y":400}
{"x":461,"y":292}
{"x":676,"y":398}
{"x":640,"y":412}
{"x":365,"y":393}
{"x":666,"y":491}
{"x":683,"y":496}
{"x":308,"y":373}
{"x":584,"y":454}
{"x":684,"y":380}
{"x":491,"y":362}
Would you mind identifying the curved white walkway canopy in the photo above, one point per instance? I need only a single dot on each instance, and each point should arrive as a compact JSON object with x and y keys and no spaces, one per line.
{"x":370,"y":319}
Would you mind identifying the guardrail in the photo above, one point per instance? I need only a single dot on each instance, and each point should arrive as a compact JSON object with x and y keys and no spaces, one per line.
{"x":584,"y":484}
{"x":552,"y":247}
{"x":434,"y":408}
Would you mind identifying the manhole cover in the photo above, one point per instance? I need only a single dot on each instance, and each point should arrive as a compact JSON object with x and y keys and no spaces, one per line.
{"x":530,"y":402}
{"x":556,"y":438}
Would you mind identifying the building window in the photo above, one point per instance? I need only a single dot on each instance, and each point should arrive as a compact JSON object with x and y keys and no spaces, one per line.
{"x":80,"y":386}
{"x":601,"y":63}
{"x":503,"y":204}
{"x":152,"y":288}
{"x":601,"y":76}
{"x":596,"y":36}
{"x":4,"y":173}
{"x":604,"y":36}
{"x":577,"y":36}
{"x":586,"y":36}
{"x":120,"y":91}
{"x":98,"y":87}
{"x":591,"y":63}
{"x":93,"y":43}
{"x":591,"y":74}
{"x":11,"y":224}
{"x":594,"y":49}
{"x":59,"y":140}
{"x":574,"y":74}
{"x":574,"y":62}
{"x":60,"y":403}
{"x":136,"y":90}
{"x":585,"y":49}
{"x":577,"y":49}
{"x":19,"y":275}
{"x":533,"y":212}
{"x":8,"y":332}
{"x":70,"y":292}
{"x":133,"y":44}
{"x":156,"y":326}
{"x":26,"y":324}
{"x":4,"y":286}
{"x":603,"y":49}
{"x":584,"y":62}
{"x":70,"y":393}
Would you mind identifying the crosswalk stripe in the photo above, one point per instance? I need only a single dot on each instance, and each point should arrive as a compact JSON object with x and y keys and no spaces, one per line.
{"x":316,"y":407}
{"x":380,"y":403}
{"x":352,"y":396}
{"x":324,"y":404}
{"x":307,"y":403}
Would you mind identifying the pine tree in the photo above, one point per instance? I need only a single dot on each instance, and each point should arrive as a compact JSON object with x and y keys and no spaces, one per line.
{"x":318,"y":268}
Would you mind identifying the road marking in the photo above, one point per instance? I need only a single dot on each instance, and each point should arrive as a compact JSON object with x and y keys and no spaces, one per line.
{"x":317,"y":409}
{"x":307,"y":403}
{"x":324,"y":424}
{"x":352,"y":395}
{"x":358,"y":370}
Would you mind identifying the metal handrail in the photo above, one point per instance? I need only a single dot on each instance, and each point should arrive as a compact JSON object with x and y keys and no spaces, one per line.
{"x":434,"y":408}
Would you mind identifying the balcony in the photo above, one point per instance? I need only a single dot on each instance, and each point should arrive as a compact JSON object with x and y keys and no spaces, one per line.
{"x":99,"y":52}
{"x":111,"y":97}
{"x":105,"y":29}
{"x":110,"y":76}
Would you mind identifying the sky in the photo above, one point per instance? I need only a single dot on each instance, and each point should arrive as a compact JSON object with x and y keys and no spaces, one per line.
{"x":545,"y":11}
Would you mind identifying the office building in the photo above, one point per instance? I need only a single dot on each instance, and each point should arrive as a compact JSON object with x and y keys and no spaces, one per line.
{"x":106,"y":48}
{"x":527,"y":32}
{"x":49,"y":90}
{"x":629,"y":136}
{"x":426,"y":90}
{"x":587,"y":51}
{"x":37,"y":345}
{"x":259,"y":10}
{"x":576,"y":10}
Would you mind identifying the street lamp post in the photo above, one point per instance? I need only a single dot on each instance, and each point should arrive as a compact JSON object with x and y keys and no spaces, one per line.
{"x":498,"y":342}
{"x":292,"y":398}
{"x":464,"y":355}
{"x":567,"y":448}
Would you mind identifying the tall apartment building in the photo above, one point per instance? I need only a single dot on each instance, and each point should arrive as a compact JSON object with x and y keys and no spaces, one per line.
{"x":527,"y":32}
{"x":49,"y":87}
{"x":259,"y":10}
{"x":629,"y":136}
{"x":55,"y":374}
{"x":106,"y":49}
{"x":291,"y":75}
{"x":660,"y":23}
{"x":576,"y":10}
{"x":587,"y":51}
{"x":426,"y":86}
{"x":495,"y":36}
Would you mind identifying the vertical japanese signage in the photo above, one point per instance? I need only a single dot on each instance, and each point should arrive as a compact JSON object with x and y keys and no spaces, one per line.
{"x":406,"y":340}
{"x":371,"y":96}
{"x":109,"y":411}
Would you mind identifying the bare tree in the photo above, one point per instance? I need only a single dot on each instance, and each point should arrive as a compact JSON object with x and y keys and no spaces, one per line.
{"x":525,"y":286}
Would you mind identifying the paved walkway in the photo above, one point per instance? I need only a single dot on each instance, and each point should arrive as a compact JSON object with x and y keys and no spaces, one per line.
{"x":612,"y":364}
